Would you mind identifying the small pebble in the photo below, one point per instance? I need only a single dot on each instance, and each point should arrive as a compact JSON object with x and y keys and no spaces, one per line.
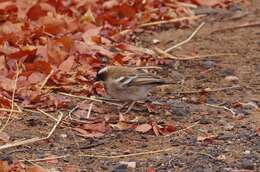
{"x":207,"y":64}
{"x":247,"y":152}
{"x":228,"y":127}
{"x":248,"y":164}
{"x":227,"y":72}
{"x":231,"y":78}
{"x":120,"y":168}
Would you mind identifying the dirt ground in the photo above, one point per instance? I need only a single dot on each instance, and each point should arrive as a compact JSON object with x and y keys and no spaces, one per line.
{"x":217,"y":140}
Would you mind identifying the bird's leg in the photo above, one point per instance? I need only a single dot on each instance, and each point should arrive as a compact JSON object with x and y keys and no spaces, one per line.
{"x":129,"y":107}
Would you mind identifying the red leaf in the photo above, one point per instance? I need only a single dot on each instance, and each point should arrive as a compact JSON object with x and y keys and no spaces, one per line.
{"x":66,"y":41}
{"x":36,"y":169}
{"x":4,"y":137}
{"x":39,"y":66}
{"x":66,"y":65}
{"x":22,"y":53}
{"x":150,"y":169}
{"x":258,"y":131}
{"x":85,"y":133}
{"x":4,"y":102}
{"x":100,"y":127}
{"x":143,"y":128}
{"x":36,"y":77}
{"x":36,"y":12}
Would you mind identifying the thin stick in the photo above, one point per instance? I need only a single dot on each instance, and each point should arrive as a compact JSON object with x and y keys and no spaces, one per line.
{"x":128,"y":155}
{"x":210,"y":55}
{"x":184,"y":129}
{"x":19,"y":143}
{"x":89,"y":110}
{"x":89,"y":98}
{"x":222,"y":107}
{"x":12,"y":104}
{"x":32,"y":140}
{"x":187,"y":40}
{"x":165,"y":54}
{"x":9,"y":110}
{"x":238,"y":27}
{"x":45,"y":113}
{"x":171,"y":21}
{"x":55,"y":126}
{"x":46,"y":79}
{"x":211,"y":90}
{"x":46,"y":159}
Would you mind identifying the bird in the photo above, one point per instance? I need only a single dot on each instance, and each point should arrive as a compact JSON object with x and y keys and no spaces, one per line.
{"x":129,"y":84}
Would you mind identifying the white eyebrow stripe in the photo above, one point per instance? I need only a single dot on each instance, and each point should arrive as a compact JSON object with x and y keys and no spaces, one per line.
{"x":102,"y":70}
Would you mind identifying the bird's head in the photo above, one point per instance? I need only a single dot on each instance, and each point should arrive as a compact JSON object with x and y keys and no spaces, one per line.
{"x":102,"y":74}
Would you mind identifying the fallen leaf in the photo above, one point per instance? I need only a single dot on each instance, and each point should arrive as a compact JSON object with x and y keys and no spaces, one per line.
{"x":4,"y":137}
{"x":66,"y":65}
{"x":121,"y":125}
{"x":143,"y":128}
{"x":208,"y":138}
{"x":36,"y":169}
{"x":258,"y":131}
{"x":150,"y":169}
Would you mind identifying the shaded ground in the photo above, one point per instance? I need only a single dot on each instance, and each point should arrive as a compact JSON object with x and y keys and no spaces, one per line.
{"x":232,"y":141}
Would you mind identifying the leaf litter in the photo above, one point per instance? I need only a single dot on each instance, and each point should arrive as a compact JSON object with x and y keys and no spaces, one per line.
{"x":64,"y":44}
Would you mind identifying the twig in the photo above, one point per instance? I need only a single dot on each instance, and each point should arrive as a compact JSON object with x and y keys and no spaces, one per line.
{"x":165,"y":54}
{"x":171,"y":21}
{"x":199,"y":57}
{"x":237,"y":27}
{"x":187,"y":40}
{"x":89,"y":110}
{"x":208,"y":155}
{"x":9,"y":110}
{"x":19,"y":143}
{"x":12,"y":104}
{"x":208,"y":90}
{"x":45,"y":113}
{"x":222,"y":107}
{"x":89,"y":98}
{"x":46,"y":79}
{"x":32,"y":140}
{"x":55,"y":126}
{"x":184,"y":129}
{"x":46,"y":159}
{"x":128,"y":155}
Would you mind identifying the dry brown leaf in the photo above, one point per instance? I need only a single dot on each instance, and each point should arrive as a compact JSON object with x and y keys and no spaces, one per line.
{"x":4,"y":137}
{"x":36,"y":169}
{"x":143,"y":128}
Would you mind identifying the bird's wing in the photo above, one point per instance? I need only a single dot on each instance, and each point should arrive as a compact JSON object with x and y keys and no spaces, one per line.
{"x":138,"y":79}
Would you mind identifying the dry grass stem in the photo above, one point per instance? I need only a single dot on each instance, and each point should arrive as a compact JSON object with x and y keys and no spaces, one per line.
{"x":238,"y":27}
{"x":46,"y":79}
{"x":12,"y":101}
{"x":184,"y":129}
{"x":89,"y":110}
{"x":19,"y":143}
{"x":171,"y":21}
{"x":45,"y":159}
{"x":32,"y":140}
{"x":89,"y":98}
{"x":55,"y":126}
{"x":165,"y":54}
{"x":187,"y":40}
{"x":222,"y":107}
{"x":48,"y":115}
{"x":128,"y":155}
{"x":210,"y":90}
{"x":10,"y":110}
